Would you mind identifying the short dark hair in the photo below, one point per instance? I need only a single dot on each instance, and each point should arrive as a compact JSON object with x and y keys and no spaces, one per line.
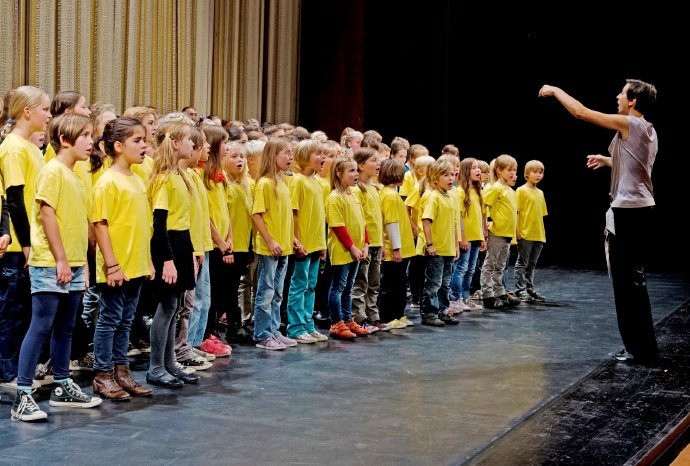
{"x":645,"y":94}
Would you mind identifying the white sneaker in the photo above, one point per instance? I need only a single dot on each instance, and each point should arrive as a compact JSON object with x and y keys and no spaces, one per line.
{"x":318,"y":336}
{"x":305,"y":338}
{"x":207,"y":356}
{"x":473,"y":306}
{"x":12,"y":384}
{"x":186,"y":370}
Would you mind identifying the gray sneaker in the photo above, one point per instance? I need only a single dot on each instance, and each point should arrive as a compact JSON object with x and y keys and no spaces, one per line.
{"x":285,"y":340}
{"x":271,"y":343}
{"x":69,"y":395}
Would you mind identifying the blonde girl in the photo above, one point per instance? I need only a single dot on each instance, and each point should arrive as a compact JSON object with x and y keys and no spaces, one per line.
{"x":310,"y":241}
{"x":272,"y":217}
{"x":350,"y":141}
{"x":240,"y":210}
{"x":472,"y":239}
{"x":171,"y":250}
{"x":399,"y":247}
{"x":121,"y":220}
{"x":200,"y":234}
{"x":202,"y":290}
{"x":57,"y":263}
{"x":441,"y":244}
{"x":366,"y":289}
{"x":348,"y":245}
{"x":414,"y":206}
{"x":499,"y":197}
{"x":221,"y":257}
{"x":416,"y":151}
{"x":28,"y":108}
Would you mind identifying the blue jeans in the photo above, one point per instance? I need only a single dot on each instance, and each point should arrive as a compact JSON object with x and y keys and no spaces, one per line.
{"x":111,"y":338}
{"x":300,"y":304}
{"x":463,"y":272}
{"x":526,"y":262}
{"x":53,"y":315}
{"x":269,"y":294}
{"x":15,"y":312}
{"x":340,"y":294}
{"x":437,"y":275}
{"x":202,"y":303}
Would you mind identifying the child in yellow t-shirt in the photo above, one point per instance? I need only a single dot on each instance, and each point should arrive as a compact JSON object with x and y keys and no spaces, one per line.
{"x":348,"y":245}
{"x":240,"y":210}
{"x":499,"y":197}
{"x":309,"y":230}
{"x":399,"y":247}
{"x":413,"y":203}
{"x":272,"y":217}
{"x":366,"y":289}
{"x":122,"y":224}
{"x":20,"y":161}
{"x":57,"y":267}
{"x":171,"y":249}
{"x":221,"y":256}
{"x":531,"y":236}
{"x":439,"y":221}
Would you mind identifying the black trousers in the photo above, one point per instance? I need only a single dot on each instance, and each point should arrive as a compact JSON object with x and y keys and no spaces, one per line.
{"x":628,"y":257}
{"x":392,"y":298}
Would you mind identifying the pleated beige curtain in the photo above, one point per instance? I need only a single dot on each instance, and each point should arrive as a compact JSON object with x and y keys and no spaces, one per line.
{"x":233,"y":58}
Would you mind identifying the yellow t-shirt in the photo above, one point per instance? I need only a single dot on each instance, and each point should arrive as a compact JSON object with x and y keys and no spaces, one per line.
{"x":240,"y":209}
{"x":81,"y":169}
{"x":218,"y":208}
{"x":60,"y":188}
{"x":501,"y":199}
{"x":50,"y":153}
{"x":455,"y":197}
{"x":439,"y":209}
{"x":409,"y":184}
{"x":274,"y":205}
{"x":344,"y":210}
{"x":197,"y":179}
{"x":325,"y":188}
{"x":417,"y":203}
{"x":393,"y":210}
{"x":121,"y":200}
{"x":371,"y":204}
{"x":307,"y":199}
{"x":20,"y":162}
{"x":143,"y":169}
{"x":531,"y":206}
{"x":196,"y":220}
{"x":171,"y":194}
{"x":472,"y":217}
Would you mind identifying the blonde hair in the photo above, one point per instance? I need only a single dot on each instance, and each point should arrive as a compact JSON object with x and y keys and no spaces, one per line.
{"x":269,"y":167}
{"x":338,"y":169}
{"x":450,"y":158}
{"x":416,"y":150}
{"x":304,"y":150}
{"x":20,"y":98}
{"x":164,"y":158}
{"x":433,"y":173}
{"x":533,"y":166}
{"x":502,"y":162}
{"x":451,"y":149}
{"x":422,"y":163}
{"x":244,"y":176}
{"x":466,"y":183}
{"x":139,"y":112}
{"x":348,"y":135}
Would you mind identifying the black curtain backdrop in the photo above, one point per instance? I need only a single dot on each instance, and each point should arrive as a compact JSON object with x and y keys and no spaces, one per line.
{"x":443,"y":73}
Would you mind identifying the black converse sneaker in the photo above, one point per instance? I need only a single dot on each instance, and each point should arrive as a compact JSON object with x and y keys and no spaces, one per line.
{"x":25,"y":408}
{"x":69,"y":395}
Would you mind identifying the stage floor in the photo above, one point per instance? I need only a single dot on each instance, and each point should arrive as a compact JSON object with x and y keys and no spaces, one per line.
{"x":534,"y":385}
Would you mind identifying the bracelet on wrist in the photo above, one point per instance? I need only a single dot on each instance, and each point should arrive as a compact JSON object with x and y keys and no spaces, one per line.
{"x":111,"y":266}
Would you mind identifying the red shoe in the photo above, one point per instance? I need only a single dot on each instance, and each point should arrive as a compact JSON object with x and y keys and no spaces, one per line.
{"x":341,"y":331}
{"x":220,"y":343}
{"x":211,"y":347}
{"x":357,"y":329}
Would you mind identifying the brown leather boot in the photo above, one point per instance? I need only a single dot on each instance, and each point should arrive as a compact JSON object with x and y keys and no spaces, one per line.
{"x":124,"y":379}
{"x":104,"y":384}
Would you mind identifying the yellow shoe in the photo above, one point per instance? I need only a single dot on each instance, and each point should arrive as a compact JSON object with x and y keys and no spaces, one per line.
{"x":406,"y":321}
{"x":396,"y":324}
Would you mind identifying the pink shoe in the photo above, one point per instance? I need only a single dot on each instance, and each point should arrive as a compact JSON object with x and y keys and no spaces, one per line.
{"x":220,"y":343}
{"x":209,"y":346}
